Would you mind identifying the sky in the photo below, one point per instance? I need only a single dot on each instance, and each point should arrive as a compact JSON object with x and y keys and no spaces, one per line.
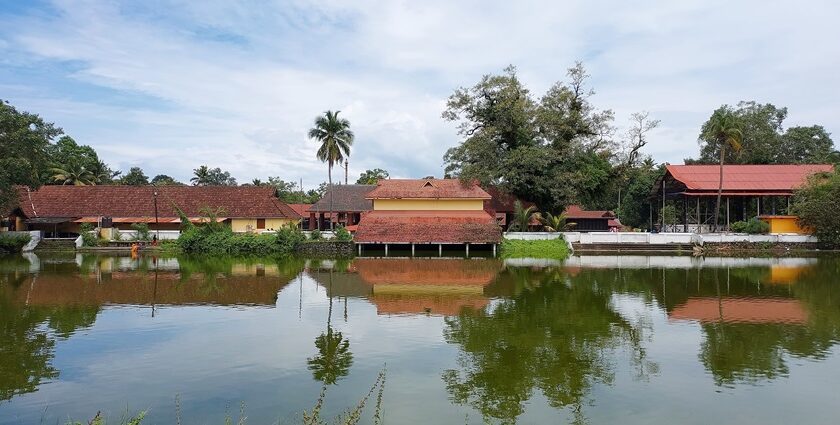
{"x":171,"y":85}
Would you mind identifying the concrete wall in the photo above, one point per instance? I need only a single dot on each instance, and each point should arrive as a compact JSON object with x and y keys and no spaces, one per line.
{"x":428,"y":204}
{"x":660,"y":238}
{"x":127,"y":235}
{"x":250,"y":224}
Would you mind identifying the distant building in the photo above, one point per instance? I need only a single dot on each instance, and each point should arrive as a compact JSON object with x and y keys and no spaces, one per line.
{"x":748,"y":191}
{"x":428,"y":211}
{"x":347,"y":203}
{"x":59,"y":210}
{"x":591,"y":220}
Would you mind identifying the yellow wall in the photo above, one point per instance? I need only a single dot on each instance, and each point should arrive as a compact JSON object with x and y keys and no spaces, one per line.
{"x":428,"y":204}
{"x":241,"y":224}
{"x":784,"y":224}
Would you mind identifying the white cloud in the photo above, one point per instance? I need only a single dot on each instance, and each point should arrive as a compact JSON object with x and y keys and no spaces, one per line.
{"x":237,"y":85}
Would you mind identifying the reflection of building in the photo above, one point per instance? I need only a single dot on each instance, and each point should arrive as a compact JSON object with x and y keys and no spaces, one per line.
{"x":741,"y":310}
{"x":61,"y":209}
{"x":414,"y":286}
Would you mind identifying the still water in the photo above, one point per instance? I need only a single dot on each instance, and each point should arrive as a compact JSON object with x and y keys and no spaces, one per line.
{"x":601,"y":339}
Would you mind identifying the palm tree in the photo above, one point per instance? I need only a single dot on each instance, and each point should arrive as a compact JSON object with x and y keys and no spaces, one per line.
{"x":522,"y":217}
{"x":202,"y":174}
{"x":72,"y":174}
{"x":335,"y":137}
{"x":556,"y":223}
{"x":724,"y":128}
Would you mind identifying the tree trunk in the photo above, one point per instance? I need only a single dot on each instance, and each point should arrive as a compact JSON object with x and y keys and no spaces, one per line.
{"x":720,"y":188}
{"x":329,"y":177}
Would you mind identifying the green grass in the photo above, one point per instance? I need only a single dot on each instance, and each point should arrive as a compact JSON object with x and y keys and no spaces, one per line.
{"x":553,"y":248}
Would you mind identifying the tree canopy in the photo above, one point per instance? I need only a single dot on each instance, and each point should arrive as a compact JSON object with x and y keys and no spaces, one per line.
{"x":372,"y":176}
{"x":134,"y":177}
{"x":206,"y":176}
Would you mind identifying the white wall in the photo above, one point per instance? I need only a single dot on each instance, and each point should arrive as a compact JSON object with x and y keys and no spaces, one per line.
{"x":128,"y":235}
{"x":660,"y":238}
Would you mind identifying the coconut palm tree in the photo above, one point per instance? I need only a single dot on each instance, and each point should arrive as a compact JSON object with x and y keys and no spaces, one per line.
{"x":724,"y":129}
{"x":522,"y":217}
{"x":555,"y":223}
{"x":73,"y":174}
{"x":335,"y":137}
{"x":201,"y":175}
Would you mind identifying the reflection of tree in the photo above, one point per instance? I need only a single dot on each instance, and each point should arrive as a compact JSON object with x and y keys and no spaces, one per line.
{"x":25,"y":351}
{"x":334,"y":358}
{"x":550,"y":336}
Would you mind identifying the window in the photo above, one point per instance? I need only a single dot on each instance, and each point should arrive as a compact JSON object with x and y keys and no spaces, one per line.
{"x":260,"y":223}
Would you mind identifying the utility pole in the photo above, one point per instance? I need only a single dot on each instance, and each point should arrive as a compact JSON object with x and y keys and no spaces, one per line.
{"x":346,"y":167}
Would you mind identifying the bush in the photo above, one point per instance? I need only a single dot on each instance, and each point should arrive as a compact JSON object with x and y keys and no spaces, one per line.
{"x":342,"y":234}
{"x":116,"y":235}
{"x":13,"y":243}
{"x":315,"y":235}
{"x":289,"y":238}
{"x":142,"y":230}
{"x":817,"y":204}
{"x":547,"y":248}
{"x":753,"y":226}
{"x":204,"y":240}
{"x":88,"y":236}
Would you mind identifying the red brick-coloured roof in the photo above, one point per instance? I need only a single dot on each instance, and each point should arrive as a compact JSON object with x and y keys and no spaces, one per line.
{"x":427,"y":189}
{"x":301,"y":209}
{"x":138,"y":201}
{"x":577,"y":212}
{"x":428,"y":227}
{"x":756,"y":178}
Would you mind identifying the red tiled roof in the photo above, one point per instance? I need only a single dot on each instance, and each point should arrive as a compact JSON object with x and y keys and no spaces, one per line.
{"x":138,"y":201}
{"x":301,"y":209}
{"x":428,"y":227}
{"x":345,"y":198}
{"x":761,"y":178}
{"x":427,"y":189}
{"x":743,"y":310}
{"x":576,"y":212}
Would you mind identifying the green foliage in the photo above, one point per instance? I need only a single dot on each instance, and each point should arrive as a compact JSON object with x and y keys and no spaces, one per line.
{"x":116,"y":235}
{"x":669,"y":214}
{"x":142,"y":230}
{"x":13,"y":243}
{"x":555,"y":223}
{"x":89,"y":238}
{"x":206,"y":176}
{"x":164,"y":180}
{"x":765,"y":141}
{"x":342,"y":234}
{"x":548,"y":248}
{"x":289,"y":238}
{"x":634,"y":209}
{"x":372,"y":176}
{"x":315,"y":235}
{"x":817,"y":205}
{"x":72,"y":174}
{"x":753,"y":226}
{"x":522,"y":217}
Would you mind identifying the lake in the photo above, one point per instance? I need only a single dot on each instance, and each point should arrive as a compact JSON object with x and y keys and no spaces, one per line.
{"x":595,"y":339}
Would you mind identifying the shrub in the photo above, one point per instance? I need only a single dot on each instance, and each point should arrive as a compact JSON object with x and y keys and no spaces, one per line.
{"x":548,"y":248}
{"x":13,"y":243}
{"x":753,"y":226}
{"x":142,"y":230}
{"x":316,"y":235}
{"x":88,"y":236}
{"x":116,"y":235}
{"x":289,"y":238}
{"x":817,"y":204}
{"x":205,"y":240}
{"x":342,"y":234}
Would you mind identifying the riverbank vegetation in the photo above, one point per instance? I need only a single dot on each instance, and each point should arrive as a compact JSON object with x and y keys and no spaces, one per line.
{"x":817,"y":204}
{"x":13,"y":243}
{"x":549,"y":248}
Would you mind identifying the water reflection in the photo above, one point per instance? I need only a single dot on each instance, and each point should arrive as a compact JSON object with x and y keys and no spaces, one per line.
{"x":509,"y":334}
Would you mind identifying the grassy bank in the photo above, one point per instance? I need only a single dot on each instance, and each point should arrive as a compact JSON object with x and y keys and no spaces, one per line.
{"x":552,"y":248}
{"x":12,"y":243}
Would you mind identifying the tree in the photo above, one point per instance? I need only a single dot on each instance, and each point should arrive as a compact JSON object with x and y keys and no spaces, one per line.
{"x":24,"y":142}
{"x":164,"y":180}
{"x":206,"y":176}
{"x":765,"y":140}
{"x":134,"y":177}
{"x":555,"y":223}
{"x":372,"y":176}
{"x":522,"y":217}
{"x":816,"y":204}
{"x":76,"y":175}
{"x":724,"y":127}
{"x":636,"y":137}
{"x":335,"y":137}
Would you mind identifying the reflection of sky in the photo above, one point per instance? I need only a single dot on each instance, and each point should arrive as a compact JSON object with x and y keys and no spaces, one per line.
{"x":215,"y":357}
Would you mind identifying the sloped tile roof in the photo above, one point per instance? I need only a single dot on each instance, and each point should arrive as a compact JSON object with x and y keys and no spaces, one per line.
{"x":577,"y":212}
{"x":138,"y":201}
{"x":301,"y":209}
{"x":428,"y":227}
{"x":345,"y":198}
{"x":427,"y":189}
{"x":756,"y":178}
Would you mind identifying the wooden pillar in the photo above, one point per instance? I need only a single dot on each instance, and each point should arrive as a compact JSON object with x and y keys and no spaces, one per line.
{"x":758,"y":206}
{"x":320,"y":221}
{"x":685,"y":214}
{"x":650,"y":216}
{"x":662,"y":213}
{"x":699,"y":219}
{"x":773,"y":205}
{"x":312,"y":221}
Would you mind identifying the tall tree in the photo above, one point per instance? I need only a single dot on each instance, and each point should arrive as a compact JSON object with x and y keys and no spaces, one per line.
{"x":206,"y":176}
{"x":724,"y":127}
{"x":74,"y":174}
{"x":335,"y":137}
{"x":134,"y":177}
{"x":164,"y":180}
{"x":24,"y":141}
{"x":372,"y":176}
